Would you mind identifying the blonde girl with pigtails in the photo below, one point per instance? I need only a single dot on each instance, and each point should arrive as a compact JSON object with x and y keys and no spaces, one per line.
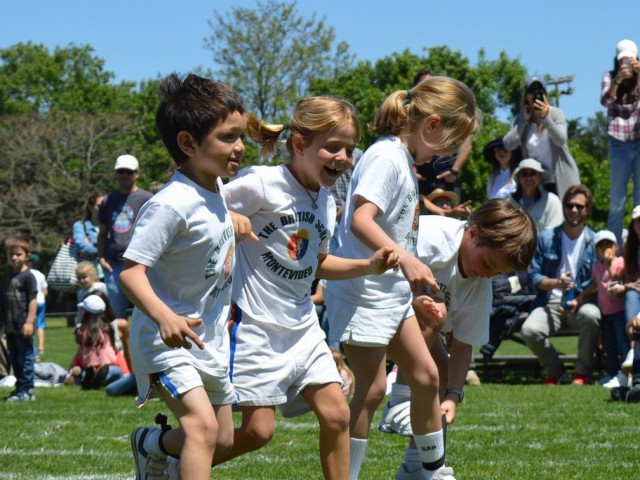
{"x":373,"y":316}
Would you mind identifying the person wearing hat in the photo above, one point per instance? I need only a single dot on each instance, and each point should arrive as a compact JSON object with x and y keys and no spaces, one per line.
{"x":544,"y":207}
{"x":503,"y":163}
{"x":608,"y":270}
{"x":117,"y":216}
{"x":440,"y":200}
{"x":620,"y":94}
{"x":562,"y":265}
{"x":540,"y":130}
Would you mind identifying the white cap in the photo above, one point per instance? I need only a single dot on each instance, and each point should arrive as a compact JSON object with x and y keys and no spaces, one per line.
{"x":128,"y":162}
{"x":93,"y":304}
{"x":605,"y":235}
{"x":626,"y":48}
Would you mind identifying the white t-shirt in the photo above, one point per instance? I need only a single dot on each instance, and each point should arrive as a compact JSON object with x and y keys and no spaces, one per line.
{"x":500,"y":184}
{"x":41,"y":285}
{"x":539,"y":147}
{"x":274,"y":276}
{"x":571,"y":250}
{"x":468,"y":300}
{"x":384,"y":176}
{"x":185,"y":236}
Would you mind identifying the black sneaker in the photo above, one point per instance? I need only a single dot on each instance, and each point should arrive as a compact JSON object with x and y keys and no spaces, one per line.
{"x":633,"y":395}
{"x":619,"y":394}
{"x":21,"y":396}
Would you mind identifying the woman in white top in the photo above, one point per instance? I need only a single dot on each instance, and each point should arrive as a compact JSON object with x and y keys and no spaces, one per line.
{"x":540,"y":130}
{"x":503,"y":163}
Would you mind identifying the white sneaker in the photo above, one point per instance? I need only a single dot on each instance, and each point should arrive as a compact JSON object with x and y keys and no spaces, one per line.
{"x":628,"y":362}
{"x":402,"y":474}
{"x":148,"y":465}
{"x":397,"y":419}
{"x":620,"y":380}
{"x":604,"y":379}
{"x":445,"y":473}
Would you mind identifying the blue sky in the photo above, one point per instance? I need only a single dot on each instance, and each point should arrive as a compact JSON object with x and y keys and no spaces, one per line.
{"x":141,"y":39}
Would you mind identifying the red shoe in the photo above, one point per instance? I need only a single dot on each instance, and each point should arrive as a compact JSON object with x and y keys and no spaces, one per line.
{"x":579,"y":379}
{"x":553,"y":380}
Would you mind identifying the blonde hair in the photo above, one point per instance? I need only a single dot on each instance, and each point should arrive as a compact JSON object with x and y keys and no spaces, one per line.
{"x":87,"y":269}
{"x":313,"y":115}
{"x":450,"y":99}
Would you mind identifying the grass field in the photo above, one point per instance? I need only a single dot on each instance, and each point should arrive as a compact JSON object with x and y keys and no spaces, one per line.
{"x":508,"y":428}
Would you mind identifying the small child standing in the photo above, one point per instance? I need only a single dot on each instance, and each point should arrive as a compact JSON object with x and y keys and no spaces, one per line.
{"x":607,"y":273}
{"x":41,"y":299}
{"x":18,"y":313}
{"x":178,"y":272}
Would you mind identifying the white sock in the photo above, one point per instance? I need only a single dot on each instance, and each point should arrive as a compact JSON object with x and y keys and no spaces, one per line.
{"x":431,"y":450}
{"x":399,"y":393}
{"x":358,"y":450}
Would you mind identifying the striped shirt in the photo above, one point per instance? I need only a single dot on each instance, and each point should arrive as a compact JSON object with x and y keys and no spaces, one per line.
{"x":623,"y":119}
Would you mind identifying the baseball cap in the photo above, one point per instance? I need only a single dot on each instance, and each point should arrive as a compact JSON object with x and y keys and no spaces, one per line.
{"x":533,"y":80}
{"x":605,"y":235}
{"x":93,"y":304}
{"x":128,"y":162}
{"x":636,"y":212}
{"x":35,"y":260}
{"x":626,"y":48}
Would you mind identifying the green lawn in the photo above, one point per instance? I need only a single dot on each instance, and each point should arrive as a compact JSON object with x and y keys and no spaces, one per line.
{"x":509,"y":430}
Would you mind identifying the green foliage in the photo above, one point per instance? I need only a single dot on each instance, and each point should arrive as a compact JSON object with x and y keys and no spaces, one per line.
{"x":269,"y":55}
{"x":71,"y":79}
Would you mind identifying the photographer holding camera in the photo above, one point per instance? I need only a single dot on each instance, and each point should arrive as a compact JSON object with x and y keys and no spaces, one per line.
{"x":541,"y":132}
{"x":620,"y":94}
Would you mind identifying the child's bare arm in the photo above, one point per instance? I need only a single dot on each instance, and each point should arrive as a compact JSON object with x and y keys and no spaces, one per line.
{"x":29,"y":324}
{"x":369,"y":232}
{"x":174,"y":329}
{"x":331,"y":267}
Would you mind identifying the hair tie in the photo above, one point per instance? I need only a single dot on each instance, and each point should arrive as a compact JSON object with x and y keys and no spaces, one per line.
{"x":407,"y":100}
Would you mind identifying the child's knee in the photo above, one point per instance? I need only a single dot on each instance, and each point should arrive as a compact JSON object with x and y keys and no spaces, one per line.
{"x":336,"y":418}
{"x":258,"y":434}
{"x":202,"y":430}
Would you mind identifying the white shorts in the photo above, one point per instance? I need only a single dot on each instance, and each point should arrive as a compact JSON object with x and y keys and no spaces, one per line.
{"x":180,"y":379}
{"x":354,"y":324}
{"x":271,"y":365}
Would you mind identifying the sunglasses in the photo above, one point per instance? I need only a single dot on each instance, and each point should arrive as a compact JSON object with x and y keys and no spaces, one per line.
{"x":528,"y":173}
{"x":577,"y":206}
{"x":124,"y":171}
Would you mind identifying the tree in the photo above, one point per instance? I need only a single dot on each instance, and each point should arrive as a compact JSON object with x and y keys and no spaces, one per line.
{"x":71,"y":79}
{"x":270,"y":54}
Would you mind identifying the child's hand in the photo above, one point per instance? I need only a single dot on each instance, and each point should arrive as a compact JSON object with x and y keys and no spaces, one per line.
{"x":609,"y":255}
{"x":177,"y":331}
{"x":242,"y":227}
{"x":27,"y":330}
{"x":417,"y":273}
{"x":384,"y":259}
{"x":616,"y":289}
{"x":430,"y":312}
{"x":448,"y":409}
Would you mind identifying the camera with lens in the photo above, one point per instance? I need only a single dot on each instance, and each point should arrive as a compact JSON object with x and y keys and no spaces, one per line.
{"x":538,"y":94}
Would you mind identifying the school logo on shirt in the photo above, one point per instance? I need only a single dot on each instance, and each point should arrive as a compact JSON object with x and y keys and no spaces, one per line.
{"x":228,"y":262}
{"x":298,"y":244}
